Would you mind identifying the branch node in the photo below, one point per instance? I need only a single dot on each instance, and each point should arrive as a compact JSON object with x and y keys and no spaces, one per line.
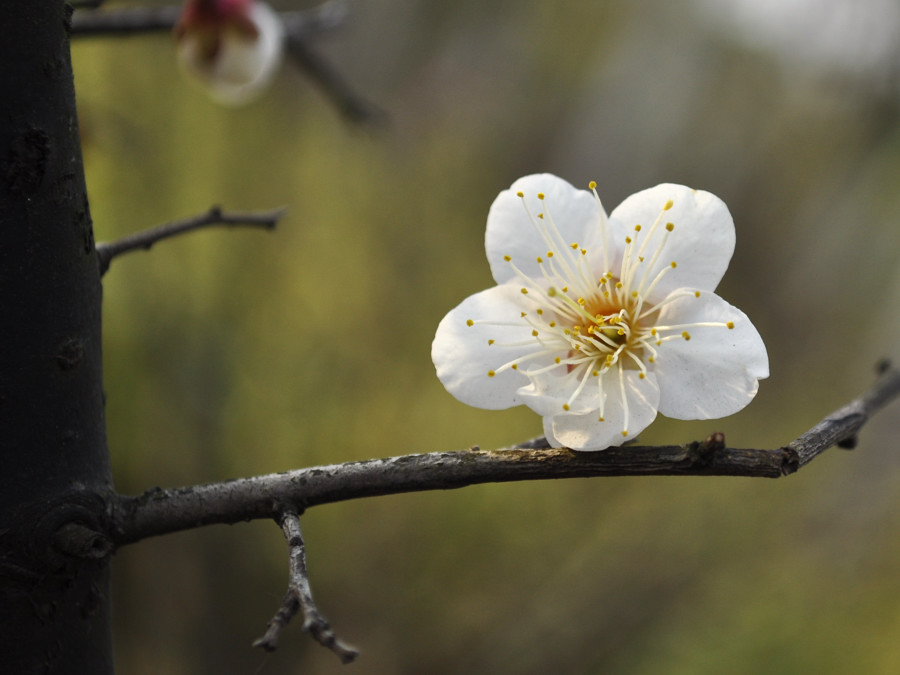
{"x":80,"y":541}
{"x":790,"y":462}
{"x":849,"y":443}
{"x":712,"y":444}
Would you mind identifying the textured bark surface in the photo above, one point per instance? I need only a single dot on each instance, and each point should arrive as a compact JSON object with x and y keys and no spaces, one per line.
{"x":53,"y":456}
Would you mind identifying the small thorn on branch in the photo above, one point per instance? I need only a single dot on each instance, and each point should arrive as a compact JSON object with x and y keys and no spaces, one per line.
{"x":299,"y":598}
{"x":106,"y":251}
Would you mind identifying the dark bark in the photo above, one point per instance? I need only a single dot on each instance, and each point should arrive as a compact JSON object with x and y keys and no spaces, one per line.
{"x":54,"y":463}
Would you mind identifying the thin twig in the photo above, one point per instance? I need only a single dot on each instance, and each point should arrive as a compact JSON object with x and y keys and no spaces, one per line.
{"x":133,"y":21}
{"x":124,"y":22}
{"x":160,"y":512}
{"x":299,"y":598}
{"x":351,"y":105}
{"x":106,"y":251}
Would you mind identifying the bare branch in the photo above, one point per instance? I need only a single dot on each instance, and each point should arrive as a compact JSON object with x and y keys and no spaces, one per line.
{"x":106,"y":251}
{"x":132,"y":21}
{"x":163,"y":511}
{"x":124,"y":22}
{"x":299,"y":597}
{"x":299,"y":26}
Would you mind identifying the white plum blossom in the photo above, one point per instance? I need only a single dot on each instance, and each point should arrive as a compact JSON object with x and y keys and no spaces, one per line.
{"x":597,"y":323}
{"x":233,"y":46}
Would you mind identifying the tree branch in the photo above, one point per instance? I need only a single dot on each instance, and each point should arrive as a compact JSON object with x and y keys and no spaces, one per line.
{"x":299,"y":26}
{"x":158,"y":511}
{"x":132,"y":21}
{"x":106,"y":251}
{"x":299,"y":597}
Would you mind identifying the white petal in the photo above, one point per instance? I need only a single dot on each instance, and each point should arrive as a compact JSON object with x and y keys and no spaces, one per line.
{"x":716,"y":372}
{"x":701,"y":242}
{"x":584,"y":431}
{"x":463,"y":357}
{"x":510,"y":230}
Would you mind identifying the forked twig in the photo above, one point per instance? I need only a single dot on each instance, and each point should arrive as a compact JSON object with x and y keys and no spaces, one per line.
{"x":299,"y":598}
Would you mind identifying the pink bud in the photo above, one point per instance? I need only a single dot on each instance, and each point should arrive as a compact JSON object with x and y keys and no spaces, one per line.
{"x":232,"y":46}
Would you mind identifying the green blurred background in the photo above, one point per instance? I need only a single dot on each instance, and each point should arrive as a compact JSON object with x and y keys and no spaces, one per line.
{"x":232,"y":353}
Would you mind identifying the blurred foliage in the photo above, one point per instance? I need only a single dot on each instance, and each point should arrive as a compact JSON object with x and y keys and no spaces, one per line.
{"x":234,"y":353}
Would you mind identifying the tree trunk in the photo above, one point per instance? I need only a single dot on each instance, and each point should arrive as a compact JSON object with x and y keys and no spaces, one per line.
{"x":54,"y":461}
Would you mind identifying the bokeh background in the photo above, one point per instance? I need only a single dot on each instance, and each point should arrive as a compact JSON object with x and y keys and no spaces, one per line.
{"x":233,"y":353}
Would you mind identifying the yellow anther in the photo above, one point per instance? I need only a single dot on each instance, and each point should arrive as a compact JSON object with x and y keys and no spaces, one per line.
{"x":540,"y":311}
{"x":565,"y":289}
{"x":565,"y":406}
{"x":469,"y":322}
{"x":652,"y":331}
{"x":595,"y":373}
{"x":600,"y":419}
{"x":507,"y":258}
{"x":523,"y":314}
{"x":491,"y":373}
{"x":642,"y":376}
{"x":540,"y":259}
{"x":627,"y":240}
{"x":674,"y":264}
{"x":581,"y":301}
{"x":670,"y":226}
{"x":551,"y":292}
{"x":696,"y":294}
{"x":491,"y":341}
{"x":592,"y":185}
{"x":552,"y":324}
{"x":730,"y":325}
{"x":541,"y":216}
{"x":686,"y":335}
{"x":584,"y":251}
{"x":540,"y":195}
{"x":557,"y":360}
{"x":549,"y":254}
{"x":637,"y":228}
{"x":515,"y":366}
{"x":534,"y":333}
{"x":574,"y":245}
{"x":520,"y":194}
{"x":641,"y":258}
{"x":524,"y":291}
{"x":624,"y":432}
{"x":668,"y":205}
{"x":634,"y":294}
{"x":652,"y":359}
{"x":618,"y":284}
